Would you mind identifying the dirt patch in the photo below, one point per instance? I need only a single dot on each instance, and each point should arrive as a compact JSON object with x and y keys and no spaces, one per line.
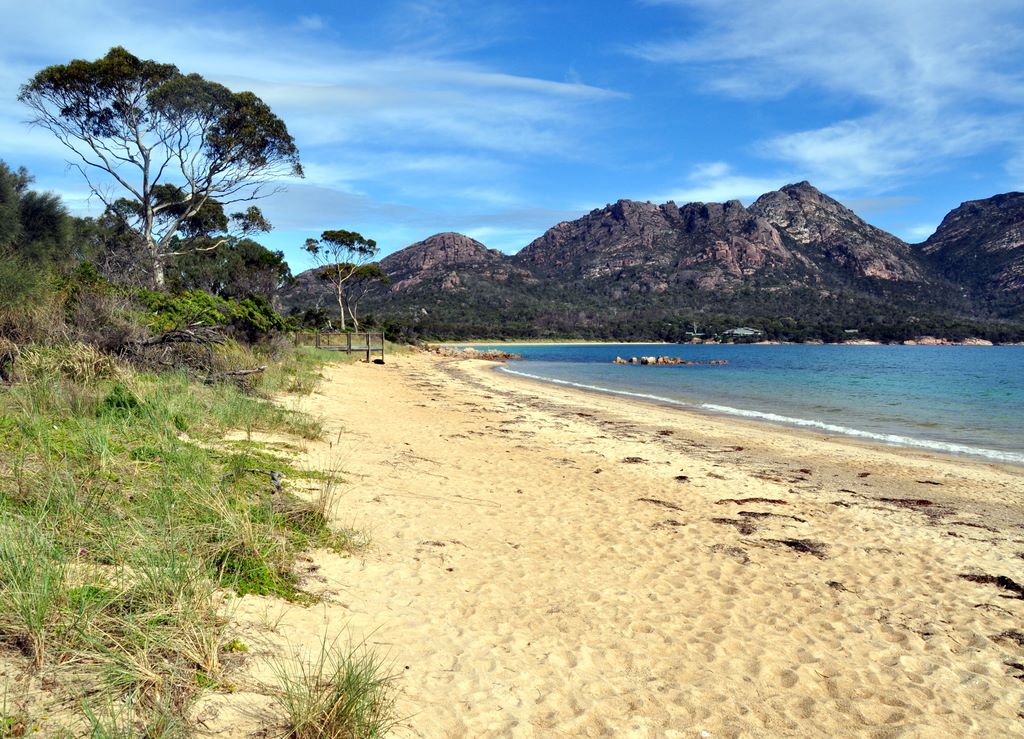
{"x":765,"y":514}
{"x":804,"y":546}
{"x":737,"y":553}
{"x":744,"y":526}
{"x":747,"y":501}
{"x":1011,"y":635}
{"x":1000,"y":581}
{"x":662,"y":503}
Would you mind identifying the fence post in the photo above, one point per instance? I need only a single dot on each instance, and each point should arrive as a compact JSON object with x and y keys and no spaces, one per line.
{"x":316,"y":338}
{"x":381,"y":346}
{"x":367,"y":347}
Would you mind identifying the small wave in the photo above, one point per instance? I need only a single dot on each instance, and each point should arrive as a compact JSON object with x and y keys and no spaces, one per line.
{"x":897,"y":439}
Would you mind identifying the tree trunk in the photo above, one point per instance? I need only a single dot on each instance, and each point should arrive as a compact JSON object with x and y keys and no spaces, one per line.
{"x":158,"y":270}
{"x":352,"y":315}
{"x":341,"y":310}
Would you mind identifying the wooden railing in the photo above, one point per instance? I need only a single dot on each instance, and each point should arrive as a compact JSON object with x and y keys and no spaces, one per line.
{"x":368,"y":342}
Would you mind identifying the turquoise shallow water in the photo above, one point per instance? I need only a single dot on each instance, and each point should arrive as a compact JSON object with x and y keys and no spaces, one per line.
{"x":966,"y":400}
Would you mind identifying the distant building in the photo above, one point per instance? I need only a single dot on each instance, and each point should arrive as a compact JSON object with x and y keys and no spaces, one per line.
{"x":742,"y":331}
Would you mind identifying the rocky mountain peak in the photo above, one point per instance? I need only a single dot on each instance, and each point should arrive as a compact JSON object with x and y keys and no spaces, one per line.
{"x":444,"y":253}
{"x":982,"y":243}
{"x":834,"y":233}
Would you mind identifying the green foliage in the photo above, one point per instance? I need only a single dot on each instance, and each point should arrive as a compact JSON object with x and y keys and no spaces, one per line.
{"x":33,"y":571}
{"x":237,"y":269}
{"x":235,"y":646}
{"x":35,"y":242}
{"x":611,"y":309}
{"x":119,"y":402}
{"x":10,"y":212}
{"x":252,"y":317}
{"x":340,"y":257}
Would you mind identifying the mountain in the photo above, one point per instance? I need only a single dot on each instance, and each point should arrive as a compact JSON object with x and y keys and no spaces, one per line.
{"x":829,"y":233}
{"x":795,"y":261}
{"x":980,"y":244}
{"x":796,"y":235}
{"x":443,"y":256}
{"x":704,"y":245}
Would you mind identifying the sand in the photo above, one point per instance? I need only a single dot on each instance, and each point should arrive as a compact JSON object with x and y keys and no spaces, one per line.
{"x":549,"y":563}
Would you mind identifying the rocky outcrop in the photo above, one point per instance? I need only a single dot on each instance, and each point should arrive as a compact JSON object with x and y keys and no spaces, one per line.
{"x":981,"y":244}
{"x":832,"y":234}
{"x":668,"y":360}
{"x":701,"y":244}
{"x":796,"y":235}
{"x":491,"y":355}
{"x":935,"y":341}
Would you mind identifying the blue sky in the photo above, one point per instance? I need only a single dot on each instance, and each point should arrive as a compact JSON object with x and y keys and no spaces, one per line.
{"x":501,"y":119}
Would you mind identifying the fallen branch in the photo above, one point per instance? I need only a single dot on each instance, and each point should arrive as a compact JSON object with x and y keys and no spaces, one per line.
{"x":212,"y":378}
{"x":243,"y":372}
{"x":194,"y":333}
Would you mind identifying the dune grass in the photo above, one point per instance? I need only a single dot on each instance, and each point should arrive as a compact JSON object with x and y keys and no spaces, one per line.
{"x":343,"y":692}
{"x":122,"y":513}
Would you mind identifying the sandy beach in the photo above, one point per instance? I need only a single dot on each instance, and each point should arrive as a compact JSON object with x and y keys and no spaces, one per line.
{"x":549,"y":563}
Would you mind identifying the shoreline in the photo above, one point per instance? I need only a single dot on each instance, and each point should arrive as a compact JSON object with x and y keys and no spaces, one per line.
{"x":724,"y":425}
{"x":552,"y":562}
{"x":786,"y":424}
{"x":582,"y":342}
{"x":556,"y":342}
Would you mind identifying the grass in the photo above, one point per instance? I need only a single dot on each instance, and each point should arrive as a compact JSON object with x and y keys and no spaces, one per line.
{"x":122,"y":513}
{"x":344,"y":692}
{"x":33,"y":573}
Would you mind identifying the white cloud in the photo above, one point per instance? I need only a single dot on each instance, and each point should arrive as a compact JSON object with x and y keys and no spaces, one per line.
{"x":333,"y":97}
{"x":936,"y":79}
{"x":507,"y":240}
{"x":1015,"y":168}
{"x":717,"y":182}
{"x":311,"y":23}
{"x":915,"y":234}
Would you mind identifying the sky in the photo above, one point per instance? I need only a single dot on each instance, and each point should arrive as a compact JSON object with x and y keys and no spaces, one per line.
{"x":500,"y":119}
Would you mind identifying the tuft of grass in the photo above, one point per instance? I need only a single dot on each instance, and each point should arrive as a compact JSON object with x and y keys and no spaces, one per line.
{"x":33,"y":573}
{"x":81,"y":363}
{"x":344,"y":692}
{"x":307,"y":522}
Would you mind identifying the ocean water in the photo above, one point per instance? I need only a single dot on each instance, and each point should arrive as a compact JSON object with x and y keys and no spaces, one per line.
{"x":964,"y":400}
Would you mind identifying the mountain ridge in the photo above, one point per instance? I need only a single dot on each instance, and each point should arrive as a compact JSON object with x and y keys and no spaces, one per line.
{"x":793,"y":253}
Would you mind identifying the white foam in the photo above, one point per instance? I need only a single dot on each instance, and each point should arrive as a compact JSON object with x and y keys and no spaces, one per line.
{"x":897,"y":439}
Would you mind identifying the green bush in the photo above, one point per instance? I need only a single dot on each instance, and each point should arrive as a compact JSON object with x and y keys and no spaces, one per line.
{"x":251,"y":318}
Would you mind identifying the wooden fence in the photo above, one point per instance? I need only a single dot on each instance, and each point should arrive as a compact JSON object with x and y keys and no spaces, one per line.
{"x":368,"y":342}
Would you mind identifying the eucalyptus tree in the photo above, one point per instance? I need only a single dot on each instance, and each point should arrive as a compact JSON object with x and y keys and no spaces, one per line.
{"x":365,"y":278}
{"x":167,"y":143}
{"x":340,"y":257}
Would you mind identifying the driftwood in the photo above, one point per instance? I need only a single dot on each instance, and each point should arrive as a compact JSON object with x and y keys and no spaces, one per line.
{"x":235,"y":373}
{"x":158,"y":348}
